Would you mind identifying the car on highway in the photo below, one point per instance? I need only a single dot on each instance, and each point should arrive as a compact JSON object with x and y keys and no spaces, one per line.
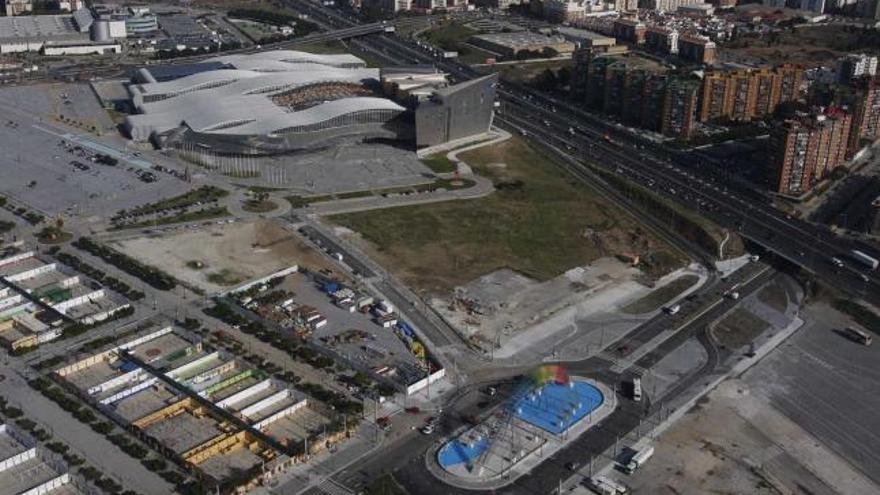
{"x":674,"y":309}
{"x":573,"y":465}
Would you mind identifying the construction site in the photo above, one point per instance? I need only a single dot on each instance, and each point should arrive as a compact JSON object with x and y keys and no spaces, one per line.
{"x":205,"y":409}
{"x":39,"y":298}
{"x":345,"y":322}
{"x":495,"y":309}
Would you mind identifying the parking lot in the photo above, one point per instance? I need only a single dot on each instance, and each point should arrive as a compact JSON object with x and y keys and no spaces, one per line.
{"x":52,"y":167}
{"x":353,"y":167}
{"x":819,"y":380}
{"x":356,"y":327}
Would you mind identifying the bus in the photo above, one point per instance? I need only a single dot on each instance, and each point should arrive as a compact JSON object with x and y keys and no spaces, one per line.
{"x":858,"y":336}
{"x":637,"y":389}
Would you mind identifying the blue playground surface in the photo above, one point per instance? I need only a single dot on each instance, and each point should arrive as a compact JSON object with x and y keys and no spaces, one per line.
{"x":456,"y":452}
{"x":554,"y":407}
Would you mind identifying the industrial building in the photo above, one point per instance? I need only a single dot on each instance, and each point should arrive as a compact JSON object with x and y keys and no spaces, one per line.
{"x":583,"y":38}
{"x":64,"y":34}
{"x":26,"y":468}
{"x":205,"y":409}
{"x":39,"y":298}
{"x":511,"y":44}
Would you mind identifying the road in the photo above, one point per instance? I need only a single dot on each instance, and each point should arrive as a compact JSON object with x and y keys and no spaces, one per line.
{"x":688,"y":179}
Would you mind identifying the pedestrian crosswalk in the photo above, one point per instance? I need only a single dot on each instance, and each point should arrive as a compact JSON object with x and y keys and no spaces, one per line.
{"x":331,"y":487}
{"x":621,"y":364}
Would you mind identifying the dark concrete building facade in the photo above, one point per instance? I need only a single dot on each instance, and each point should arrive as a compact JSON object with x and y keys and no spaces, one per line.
{"x":456,"y":112}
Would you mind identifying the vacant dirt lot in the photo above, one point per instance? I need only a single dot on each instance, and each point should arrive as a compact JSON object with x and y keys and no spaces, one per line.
{"x":735,"y":442}
{"x":219,"y":257}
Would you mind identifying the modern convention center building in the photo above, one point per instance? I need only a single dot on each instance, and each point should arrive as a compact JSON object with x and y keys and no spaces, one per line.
{"x":274,"y":102}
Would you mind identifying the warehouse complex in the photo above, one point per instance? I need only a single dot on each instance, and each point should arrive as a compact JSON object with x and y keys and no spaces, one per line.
{"x":61,"y":34}
{"x":39,"y":298}
{"x":283,"y":101}
{"x":204,"y":408}
{"x":28,"y":468}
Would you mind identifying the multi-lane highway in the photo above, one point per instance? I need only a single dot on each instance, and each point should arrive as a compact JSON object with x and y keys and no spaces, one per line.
{"x":685,"y":178}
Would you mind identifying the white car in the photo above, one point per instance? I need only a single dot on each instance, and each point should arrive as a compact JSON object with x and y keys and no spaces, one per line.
{"x":427,"y":430}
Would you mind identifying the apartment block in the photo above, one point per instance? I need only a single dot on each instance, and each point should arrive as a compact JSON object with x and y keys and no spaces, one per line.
{"x":806,"y":149}
{"x":629,"y":31}
{"x":865,"y":107}
{"x":696,"y":48}
{"x":661,"y":39}
{"x":743,"y":94}
{"x":641,"y":93}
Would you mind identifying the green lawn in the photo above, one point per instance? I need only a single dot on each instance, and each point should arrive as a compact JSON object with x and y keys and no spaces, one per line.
{"x":540,"y":221}
{"x":193,"y":216}
{"x":439,"y":164}
{"x":657,"y":298}
{"x":203,"y":194}
{"x":448,"y":35}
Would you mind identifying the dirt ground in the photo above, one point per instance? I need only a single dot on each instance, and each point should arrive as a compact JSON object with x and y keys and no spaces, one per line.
{"x":222,"y":256}
{"x":748,"y":454}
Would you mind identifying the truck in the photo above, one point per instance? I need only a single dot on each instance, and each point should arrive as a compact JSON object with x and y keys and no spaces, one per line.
{"x":450,"y":54}
{"x":639,"y":459}
{"x":864,"y":259}
{"x":605,"y":486}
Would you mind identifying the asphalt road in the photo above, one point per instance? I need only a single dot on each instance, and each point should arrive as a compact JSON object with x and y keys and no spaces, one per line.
{"x":686,"y":178}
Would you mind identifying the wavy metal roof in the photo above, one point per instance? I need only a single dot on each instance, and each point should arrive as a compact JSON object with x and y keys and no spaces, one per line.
{"x":287,"y":57}
{"x":234,"y":101}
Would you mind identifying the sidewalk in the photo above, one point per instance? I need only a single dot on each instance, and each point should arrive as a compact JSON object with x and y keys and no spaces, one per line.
{"x":302,"y":477}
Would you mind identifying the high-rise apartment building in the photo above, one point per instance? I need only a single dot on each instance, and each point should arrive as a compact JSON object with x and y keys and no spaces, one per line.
{"x":679,"y":109}
{"x":697,"y":48}
{"x":670,"y":5}
{"x":661,"y":39}
{"x":629,"y":31}
{"x":746,"y":93}
{"x":640,"y":93}
{"x":626,"y":5}
{"x":856,"y":65}
{"x":806,"y":149}
{"x":18,"y":7}
{"x":865,"y":107}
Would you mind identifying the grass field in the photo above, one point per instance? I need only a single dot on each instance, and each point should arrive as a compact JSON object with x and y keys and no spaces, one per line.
{"x":739,"y":328}
{"x":540,"y":222}
{"x":657,"y":298}
{"x":452,"y":36}
{"x":439,"y":164}
{"x":813,"y":45}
